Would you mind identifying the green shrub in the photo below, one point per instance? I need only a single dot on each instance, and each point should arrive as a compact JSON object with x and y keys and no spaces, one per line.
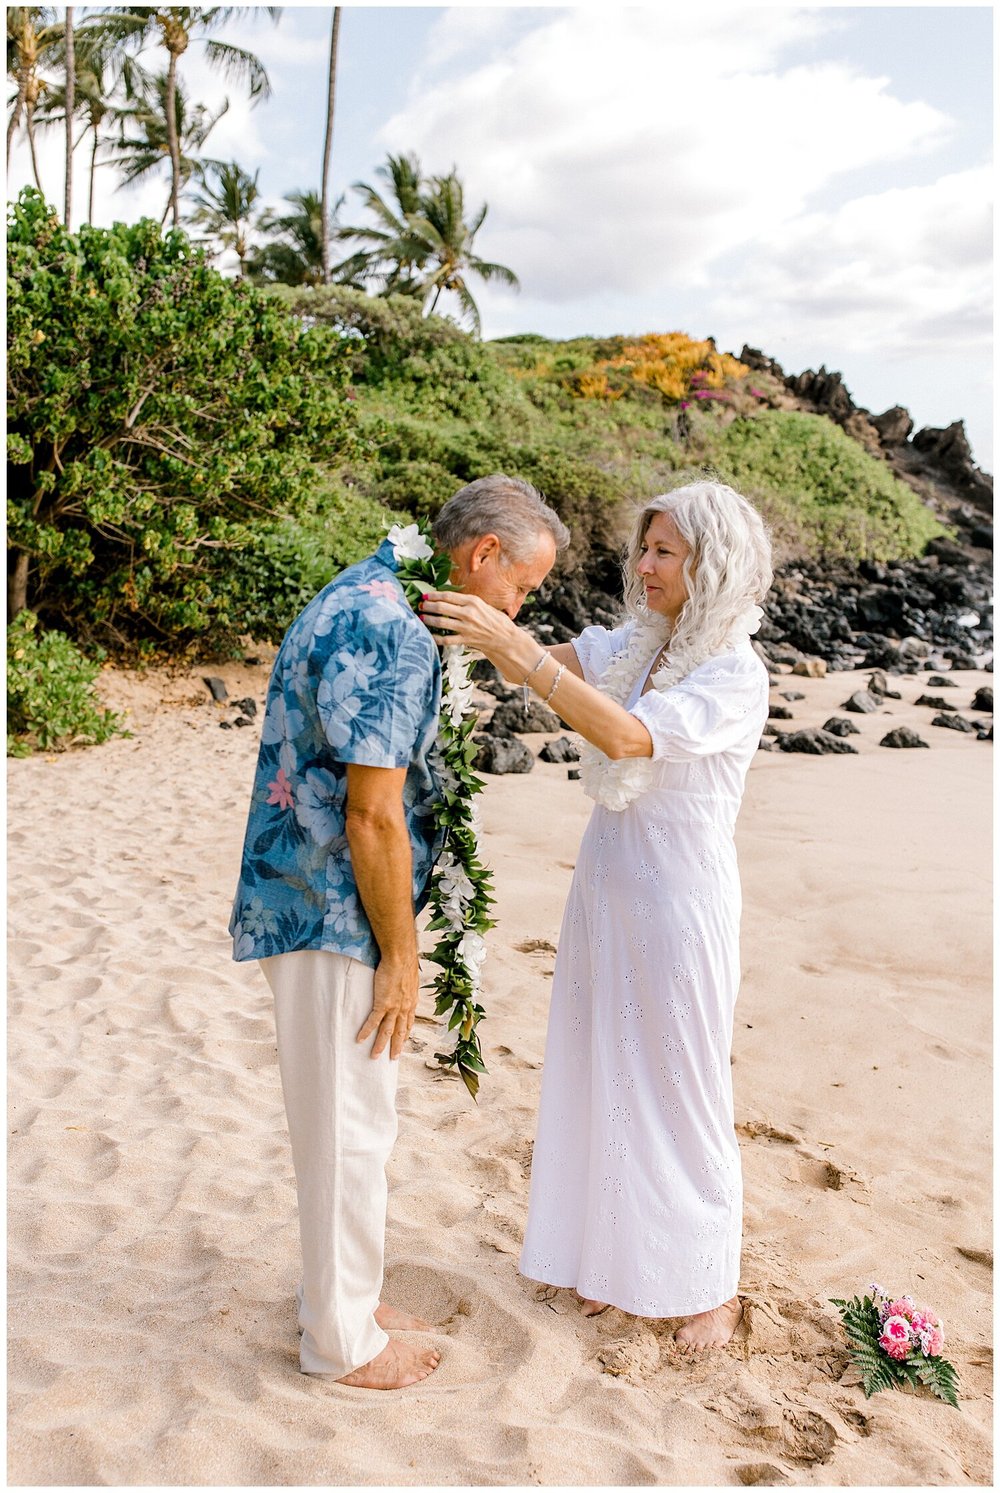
{"x":51,"y":702}
{"x":158,"y":413}
{"x":421,"y":487}
{"x":381,"y":332}
{"x":818,"y":483}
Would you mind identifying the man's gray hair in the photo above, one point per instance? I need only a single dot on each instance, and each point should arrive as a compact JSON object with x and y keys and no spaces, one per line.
{"x":508,"y":507}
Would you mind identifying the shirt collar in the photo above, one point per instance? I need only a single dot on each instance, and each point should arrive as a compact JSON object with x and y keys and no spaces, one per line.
{"x":386,"y":555}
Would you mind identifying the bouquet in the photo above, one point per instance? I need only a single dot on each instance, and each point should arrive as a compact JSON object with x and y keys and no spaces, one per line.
{"x":897,"y":1344}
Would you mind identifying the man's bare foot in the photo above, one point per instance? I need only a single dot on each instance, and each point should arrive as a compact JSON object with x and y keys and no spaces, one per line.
{"x":710,"y":1329}
{"x":591,"y":1308}
{"x":394,"y":1368}
{"x":391,"y":1319}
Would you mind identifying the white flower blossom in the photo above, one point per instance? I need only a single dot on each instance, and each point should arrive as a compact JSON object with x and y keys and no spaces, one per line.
{"x":409,"y":543}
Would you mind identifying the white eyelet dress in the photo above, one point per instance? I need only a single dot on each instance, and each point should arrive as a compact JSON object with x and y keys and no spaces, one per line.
{"x":636,"y":1188}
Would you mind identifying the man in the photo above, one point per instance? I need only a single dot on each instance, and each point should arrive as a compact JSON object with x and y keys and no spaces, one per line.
{"x":339,"y":848}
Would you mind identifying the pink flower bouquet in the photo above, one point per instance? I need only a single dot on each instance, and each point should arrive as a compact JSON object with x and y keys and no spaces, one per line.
{"x":897,"y":1344}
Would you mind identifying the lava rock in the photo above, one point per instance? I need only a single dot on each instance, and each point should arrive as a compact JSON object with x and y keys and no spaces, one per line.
{"x":514,"y":716}
{"x":982,"y":536}
{"x":216,"y":687}
{"x":934,"y":701}
{"x":560,"y":750}
{"x":780,"y":713}
{"x":817,"y":743}
{"x":766,"y":746}
{"x":939,"y":681}
{"x":502,"y":754}
{"x":242,"y":720}
{"x":225,"y":725}
{"x":894,"y":426}
{"x":985,"y":735}
{"x":839,"y":725}
{"x":878,"y":684}
{"x":792,"y":694}
{"x":862,"y":702}
{"x":961,"y":658}
{"x":953,"y":722}
{"x":248,"y":706}
{"x":984,"y":699}
{"x":902,"y":736}
{"x":810,"y":668}
{"x":573,"y":774}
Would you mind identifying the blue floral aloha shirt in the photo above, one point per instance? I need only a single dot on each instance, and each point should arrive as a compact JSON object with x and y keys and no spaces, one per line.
{"x":357,"y":679}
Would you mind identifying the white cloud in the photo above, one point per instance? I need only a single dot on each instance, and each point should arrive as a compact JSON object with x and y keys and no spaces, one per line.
{"x":630,"y":149}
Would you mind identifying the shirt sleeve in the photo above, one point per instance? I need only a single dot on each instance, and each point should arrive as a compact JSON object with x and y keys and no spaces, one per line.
{"x":721,"y":705}
{"x":378,"y":686}
{"x":595,"y":648}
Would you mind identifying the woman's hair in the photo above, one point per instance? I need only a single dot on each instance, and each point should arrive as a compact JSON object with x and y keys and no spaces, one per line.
{"x":508,"y":507}
{"x":727,"y":572}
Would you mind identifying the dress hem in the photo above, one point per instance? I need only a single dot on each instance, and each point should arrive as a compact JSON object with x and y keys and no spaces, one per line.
{"x":572,"y":1285}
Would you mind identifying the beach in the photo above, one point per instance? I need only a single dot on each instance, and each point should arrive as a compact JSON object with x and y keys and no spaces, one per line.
{"x":153,"y":1234}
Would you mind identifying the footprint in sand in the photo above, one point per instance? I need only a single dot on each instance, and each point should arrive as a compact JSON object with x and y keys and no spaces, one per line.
{"x":764,"y":1130}
{"x":535,"y":946}
{"x":977,"y":1256}
{"x":761,"y":1475}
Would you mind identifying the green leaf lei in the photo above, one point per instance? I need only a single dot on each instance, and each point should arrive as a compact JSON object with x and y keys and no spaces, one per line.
{"x":461,"y":890}
{"x":864,"y":1320}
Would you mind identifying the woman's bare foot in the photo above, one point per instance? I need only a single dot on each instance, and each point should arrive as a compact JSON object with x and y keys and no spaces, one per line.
{"x":591,"y":1308}
{"x":391,"y":1319}
{"x":710,"y":1329}
{"x":395,"y":1367}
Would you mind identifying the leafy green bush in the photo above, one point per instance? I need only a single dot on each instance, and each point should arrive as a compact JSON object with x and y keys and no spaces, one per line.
{"x":158,"y":415}
{"x":422,"y":487}
{"x":822,"y":487}
{"x":51,"y":702}
{"x":381,"y":332}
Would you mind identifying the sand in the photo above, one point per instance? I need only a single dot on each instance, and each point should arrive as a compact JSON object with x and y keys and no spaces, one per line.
{"x":153,"y":1237}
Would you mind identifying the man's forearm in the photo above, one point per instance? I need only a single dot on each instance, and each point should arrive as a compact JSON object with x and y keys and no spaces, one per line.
{"x":383,"y":873}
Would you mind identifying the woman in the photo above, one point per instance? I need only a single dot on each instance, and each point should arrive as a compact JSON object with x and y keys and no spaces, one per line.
{"x":636,"y":1190}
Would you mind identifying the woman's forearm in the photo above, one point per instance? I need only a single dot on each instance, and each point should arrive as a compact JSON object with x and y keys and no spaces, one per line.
{"x":584,"y":709}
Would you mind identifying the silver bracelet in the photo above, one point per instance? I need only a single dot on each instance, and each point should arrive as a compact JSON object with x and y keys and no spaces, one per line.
{"x":555,"y":683}
{"x":524,"y":681}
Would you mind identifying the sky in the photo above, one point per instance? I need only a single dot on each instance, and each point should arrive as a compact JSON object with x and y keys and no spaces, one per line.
{"x":812,"y":180}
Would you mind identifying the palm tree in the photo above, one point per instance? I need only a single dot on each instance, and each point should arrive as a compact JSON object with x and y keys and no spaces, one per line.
{"x":69,"y":73}
{"x":295,"y":255}
{"x":175,"y":27}
{"x":226,"y":210}
{"x":149,"y":148}
{"x":381,"y":256}
{"x":328,"y":143}
{"x":34,"y":39}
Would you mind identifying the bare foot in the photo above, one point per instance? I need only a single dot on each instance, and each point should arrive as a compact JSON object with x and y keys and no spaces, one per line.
{"x":390,"y":1319}
{"x":710,"y":1329}
{"x":592,"y":1308}
{"x":394,"y":1368}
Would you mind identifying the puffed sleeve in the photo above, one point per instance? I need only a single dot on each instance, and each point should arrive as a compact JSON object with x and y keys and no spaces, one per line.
{"x":596,"y":646}
{"x":719,"y":706}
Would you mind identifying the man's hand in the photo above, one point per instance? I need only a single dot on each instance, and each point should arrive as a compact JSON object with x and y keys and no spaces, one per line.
{"x":394,"y":1007}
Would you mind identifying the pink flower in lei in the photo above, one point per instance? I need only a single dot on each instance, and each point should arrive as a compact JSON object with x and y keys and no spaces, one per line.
{"x":895,"y":1337}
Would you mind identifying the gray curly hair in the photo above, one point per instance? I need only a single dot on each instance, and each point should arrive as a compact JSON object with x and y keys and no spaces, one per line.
{"x":508,"y":507}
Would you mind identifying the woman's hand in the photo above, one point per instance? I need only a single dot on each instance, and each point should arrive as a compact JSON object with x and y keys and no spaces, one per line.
{"x":455,"y":617}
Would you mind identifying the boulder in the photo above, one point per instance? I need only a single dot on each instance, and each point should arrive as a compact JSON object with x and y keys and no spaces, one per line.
{"x":953,"y":722}
{"x":940,"y":681}
{"x":248,"y":706}
{"x":934,"y":701}
{"x":878,"y":684}
{"x":948,"y":449}
{"x":984,"y":699}
{"x":986,"y":735}
{"x":792,"y":694}
{"x":513,"y":716}
{"x":560,"y":750}
{"x":779,"y":713}
{"x":502,"y":754}
{"x":902,"y":736}
{"x":894,"y":426}
{"x":810,"y":668}
{"x":216,"y":687}
{"x":862,"y":702}
{"x":839,"y":725}
{"x":817,"y":743}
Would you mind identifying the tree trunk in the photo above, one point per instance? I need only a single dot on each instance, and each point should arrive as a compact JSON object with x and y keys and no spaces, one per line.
{"x":70,"y":102}
{"x":93,"y":168}
{"x":175,"y":149}
{"x":29,"y":114}
{"x":16,"y":112}
{"x":328,"y":148}
{"x":17,"y":584}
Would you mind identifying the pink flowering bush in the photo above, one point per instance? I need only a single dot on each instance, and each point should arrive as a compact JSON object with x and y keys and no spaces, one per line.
{"x":897,"y":1344}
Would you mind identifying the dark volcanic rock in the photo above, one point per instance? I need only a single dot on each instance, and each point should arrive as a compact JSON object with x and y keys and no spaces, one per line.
{"x":902,"y":736}
{"x":248,"y":706}
{"x":949,"y":450}
{"x":839,"y":725}
{"x":986,"y":735}
{"x":940,"y":681}
{"x":953,"y":722}
{"x":817,"y":743}
{"x":934,"y":701}
{"x":560,"y":750}
{"x":862,"y":702}
{"x":780,"y":713}
{"x":216,"y":687}
{"x":878,"y":684}
{"x":792,"y":694}
{"x":984,"y":699}
{"x":503,"y":754}
{"x":894,"y":426}
{"x":488,"y":677}
{"x":242,"y":720}
{"x":512,"y":715}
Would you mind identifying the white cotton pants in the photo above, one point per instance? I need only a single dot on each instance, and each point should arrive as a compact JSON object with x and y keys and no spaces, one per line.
{"x":341,"y":1108}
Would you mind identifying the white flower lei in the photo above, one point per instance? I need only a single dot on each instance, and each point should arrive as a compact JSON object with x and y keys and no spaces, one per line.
{"x":616,"y":784}
{"x":461,"y":890}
